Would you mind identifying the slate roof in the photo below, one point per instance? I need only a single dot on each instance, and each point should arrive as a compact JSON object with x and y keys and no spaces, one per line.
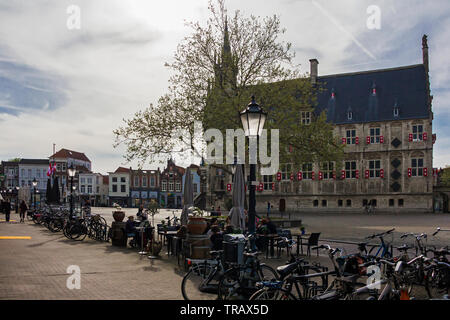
{"x":65,"y":153}
{"x":372,"y":95}
{"x":34,"y":161}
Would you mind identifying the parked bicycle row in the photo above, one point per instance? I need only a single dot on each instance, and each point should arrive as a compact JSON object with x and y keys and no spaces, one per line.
{"x":418,"y":271}
{"x":77,"y":226}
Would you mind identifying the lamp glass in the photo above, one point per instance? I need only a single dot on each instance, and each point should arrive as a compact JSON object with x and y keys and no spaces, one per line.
{"x":34,"y":182}
{"x":253,"y":119}
{"x":71,"y":170}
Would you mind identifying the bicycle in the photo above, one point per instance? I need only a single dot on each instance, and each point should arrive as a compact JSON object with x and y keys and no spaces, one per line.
{"x":201,"y":282}
{"x":239,"y":282}
{"x":384,"y":250}
{"x":296,"y":282}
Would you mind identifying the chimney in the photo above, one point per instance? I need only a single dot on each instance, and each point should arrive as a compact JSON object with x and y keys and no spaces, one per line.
{"x":425,"y":52}
{"x":314,"y":70}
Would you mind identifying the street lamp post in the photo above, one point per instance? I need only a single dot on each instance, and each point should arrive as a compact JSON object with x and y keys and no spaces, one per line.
{"x":34,"y":192}
{"x":253,"y":119}
{"x":71,"y":172}
{"x":17,"y":199}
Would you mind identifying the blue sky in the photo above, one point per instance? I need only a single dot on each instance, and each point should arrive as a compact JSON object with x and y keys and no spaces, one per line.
{"x":73,"y":87}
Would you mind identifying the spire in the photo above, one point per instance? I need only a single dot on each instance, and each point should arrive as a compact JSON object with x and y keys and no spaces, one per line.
{"x":226,"y":38}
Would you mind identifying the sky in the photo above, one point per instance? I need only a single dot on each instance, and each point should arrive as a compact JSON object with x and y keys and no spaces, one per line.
{"x":73,"y":86}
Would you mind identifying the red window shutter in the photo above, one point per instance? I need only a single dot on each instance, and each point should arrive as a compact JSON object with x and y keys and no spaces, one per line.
{"x":409,"y":172}
{"x":273,"y":186}
{"x":368,"y":140}
{"x":261,"y":186}
{"x":334,"y":175}
{"x":292,"y":177}
{"x":357,"y":140}
{"x":278,"y":176}
{"x":410,"y":137}
{"x":320,"y":175}
{"x":344,"y":141}
{"x":290,"y":149}
{"x":313,"y":175}
{"x":425,"y":136}
{"x":342,"y":174}
{"x":299,"y":176}
{"x":357,"y":174}
{"x":229,"y":187}
{"x":381,"y":139}
{"x":425,"y":172}
{"x":367,"y":174}
{"x":381,"y":173}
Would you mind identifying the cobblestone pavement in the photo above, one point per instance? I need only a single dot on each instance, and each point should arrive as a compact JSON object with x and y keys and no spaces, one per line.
{"x":37,"y":268}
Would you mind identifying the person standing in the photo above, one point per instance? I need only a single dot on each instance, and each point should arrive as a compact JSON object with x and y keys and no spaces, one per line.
{"x":268,"y":209}
{"x":23,"y":210}
{"x":7,"y":209}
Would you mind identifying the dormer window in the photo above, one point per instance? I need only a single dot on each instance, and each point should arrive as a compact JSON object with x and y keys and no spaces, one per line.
{"x":349,"y":115}
{"x":396,"y":110}
{"x":306,"y":117}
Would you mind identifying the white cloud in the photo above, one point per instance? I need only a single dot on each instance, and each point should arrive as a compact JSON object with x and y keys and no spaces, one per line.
{"x":113,"y":66}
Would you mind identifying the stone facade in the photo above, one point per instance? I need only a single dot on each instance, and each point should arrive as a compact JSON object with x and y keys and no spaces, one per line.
{"x":384,"y":117}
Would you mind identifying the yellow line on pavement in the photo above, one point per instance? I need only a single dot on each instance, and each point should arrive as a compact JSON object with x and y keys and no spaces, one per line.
{"x":14,"y":237}
{"x":9,"y":220}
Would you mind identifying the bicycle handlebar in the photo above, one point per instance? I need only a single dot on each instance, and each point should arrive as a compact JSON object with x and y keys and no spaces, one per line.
{"x":380,"y":234}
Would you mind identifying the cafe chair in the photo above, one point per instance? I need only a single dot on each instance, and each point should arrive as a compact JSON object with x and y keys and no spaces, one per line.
{"x":281,"y":243}
{"x":313,"y":241}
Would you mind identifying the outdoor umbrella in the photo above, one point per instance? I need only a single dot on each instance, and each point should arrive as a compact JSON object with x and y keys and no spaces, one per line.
{"x":48,"y":192}
{"x":237,"y":215}
{"x":56,"y":190}
{"x":188,"y":197}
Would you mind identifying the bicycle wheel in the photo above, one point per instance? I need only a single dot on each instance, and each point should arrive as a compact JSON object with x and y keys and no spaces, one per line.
{"x":437,"y":282}
{"x":229,"y":285}
{"x":235,"y":285}
{"x":272,"y":294}
{"x":196,"y":284}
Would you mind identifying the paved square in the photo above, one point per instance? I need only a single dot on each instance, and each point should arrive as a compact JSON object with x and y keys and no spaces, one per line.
{"x":36,"y":268}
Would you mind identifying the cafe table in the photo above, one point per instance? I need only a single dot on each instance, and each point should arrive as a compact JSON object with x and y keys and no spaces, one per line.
{"x":269,"y":242}
{"x":168,"y":236}
{"x":300,"y":237}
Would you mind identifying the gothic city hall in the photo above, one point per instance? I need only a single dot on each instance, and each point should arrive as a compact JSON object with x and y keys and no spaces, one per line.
{"x":384,"y":120}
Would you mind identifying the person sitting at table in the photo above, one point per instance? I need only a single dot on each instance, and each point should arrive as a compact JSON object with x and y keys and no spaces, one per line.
{"x":271,"y":227}
{"x":216,"y":238}
{"x":210,"y":224}
{"x":130,"y":229}
{"x":229,"y":229}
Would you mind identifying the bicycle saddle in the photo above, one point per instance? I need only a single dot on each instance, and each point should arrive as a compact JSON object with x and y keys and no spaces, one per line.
{"x":252,"y":254}
{"x":215,"y":252}
{"x":350,"y":279}
{"x":441,"y":251}
{"x":286,"y":269}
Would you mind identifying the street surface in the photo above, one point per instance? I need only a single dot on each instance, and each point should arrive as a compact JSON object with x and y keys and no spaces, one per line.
{"x":36,"y":267}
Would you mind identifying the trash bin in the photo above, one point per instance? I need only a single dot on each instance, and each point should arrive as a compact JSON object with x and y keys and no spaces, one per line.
{"x":233,"y":246}
{"x":118,"y":235}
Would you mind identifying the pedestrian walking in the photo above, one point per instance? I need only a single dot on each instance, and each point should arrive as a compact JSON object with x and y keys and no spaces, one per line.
{"x":23,"y":210}
{"x":7,"y":210}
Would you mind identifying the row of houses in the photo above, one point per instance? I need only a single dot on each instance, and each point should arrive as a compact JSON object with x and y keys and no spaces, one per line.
{"x":126,"y":187}
{"x":131,"y":188}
